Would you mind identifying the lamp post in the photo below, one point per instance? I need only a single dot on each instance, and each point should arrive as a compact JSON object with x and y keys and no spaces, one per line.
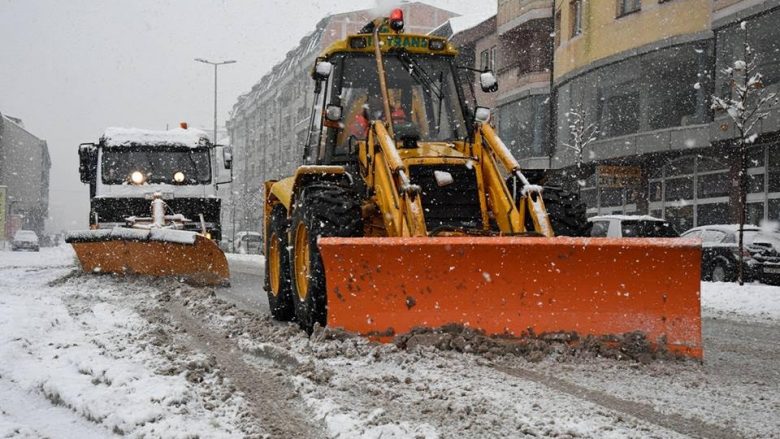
{"x":215,"y":64}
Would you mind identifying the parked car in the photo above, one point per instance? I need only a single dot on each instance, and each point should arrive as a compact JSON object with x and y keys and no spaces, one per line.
{"x":249,"y":243}
{"x":25,"y":240}
{"x":631,"y":226}
{"x":720,"y":253}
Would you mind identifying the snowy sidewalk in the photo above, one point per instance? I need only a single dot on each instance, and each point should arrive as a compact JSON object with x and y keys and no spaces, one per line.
{"x":750,"y":302}
{"x":76,"y":360}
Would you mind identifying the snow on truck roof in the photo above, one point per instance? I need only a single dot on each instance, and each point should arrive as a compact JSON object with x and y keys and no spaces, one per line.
{"x":190,"y":137}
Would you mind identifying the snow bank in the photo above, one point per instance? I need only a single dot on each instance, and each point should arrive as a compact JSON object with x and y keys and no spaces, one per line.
{"x":46,"y":257}
{"x":750,"y":301}
{"x":118,"y":137}
{"x":76,"y":353}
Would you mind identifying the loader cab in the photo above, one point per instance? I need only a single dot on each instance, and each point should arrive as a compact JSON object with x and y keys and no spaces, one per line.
{"x":426,"y":100}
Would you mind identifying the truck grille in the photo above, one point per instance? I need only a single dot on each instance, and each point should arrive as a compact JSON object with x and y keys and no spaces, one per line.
{"x":455,"y":205}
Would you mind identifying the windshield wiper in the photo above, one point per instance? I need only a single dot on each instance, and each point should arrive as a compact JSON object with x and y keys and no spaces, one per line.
{"x":419,"y":74}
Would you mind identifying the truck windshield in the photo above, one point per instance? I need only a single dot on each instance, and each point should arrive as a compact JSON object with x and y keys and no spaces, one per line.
{"x":156,"y":166}
{"x":422,"y":91}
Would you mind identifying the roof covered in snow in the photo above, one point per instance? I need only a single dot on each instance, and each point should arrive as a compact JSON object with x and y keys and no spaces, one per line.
{"x":191,"y":137}
{"x":455,"y":25}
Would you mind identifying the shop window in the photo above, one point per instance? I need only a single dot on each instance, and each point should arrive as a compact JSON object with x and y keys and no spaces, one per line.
{"x":683,"y":166}
{"x":655,"y":193}
{"x":755,"y":157}
{"x":774,"y":180}
{"x":716,"y":213}
{"x":755,"y":183}
{"x":774,"y":209}
{"x":714,"y":185}
{"x":755,"y":213}
{"x":588,"y":197}
{"x":611,"y":197}
{"x":678,"y":189}
{"x":704,"y":165}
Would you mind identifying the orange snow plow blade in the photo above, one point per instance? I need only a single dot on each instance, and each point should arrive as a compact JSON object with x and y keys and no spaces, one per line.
{"x":510,"y":285}
{"x":173,"y":253}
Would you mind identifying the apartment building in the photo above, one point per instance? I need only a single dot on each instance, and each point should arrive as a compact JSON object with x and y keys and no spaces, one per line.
{"x":643,"y":72}
{"x":268,"y":125}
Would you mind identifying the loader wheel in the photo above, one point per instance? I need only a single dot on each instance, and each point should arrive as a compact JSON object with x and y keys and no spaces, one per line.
{"x":321,"y":211}
{"x":566,"y":212}
{"x":277,"y":267}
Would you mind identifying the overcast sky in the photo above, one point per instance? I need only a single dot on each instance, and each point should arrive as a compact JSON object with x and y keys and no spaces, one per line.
{"x":71,"y":68}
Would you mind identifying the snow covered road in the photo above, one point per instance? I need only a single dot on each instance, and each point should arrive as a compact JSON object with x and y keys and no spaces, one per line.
{"x":98,"y":356}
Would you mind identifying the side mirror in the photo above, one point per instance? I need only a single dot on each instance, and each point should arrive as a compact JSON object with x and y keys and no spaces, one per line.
{"x":482,"y":114}
{"x":333,"y":113}
{"x":227,"y":156}
{"x":488,"y":82}
{"x":322,"y":70}
{"x":87,"y":162}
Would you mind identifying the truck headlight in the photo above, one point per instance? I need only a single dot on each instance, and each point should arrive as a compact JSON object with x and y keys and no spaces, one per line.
{"x":137,"y":177}
{"x":178,"y":177}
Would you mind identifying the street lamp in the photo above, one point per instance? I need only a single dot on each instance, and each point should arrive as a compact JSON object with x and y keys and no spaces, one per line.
{"x":215,"y":64}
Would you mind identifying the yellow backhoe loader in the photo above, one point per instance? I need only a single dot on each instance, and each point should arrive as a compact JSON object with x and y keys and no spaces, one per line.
{"x":409,"y":211}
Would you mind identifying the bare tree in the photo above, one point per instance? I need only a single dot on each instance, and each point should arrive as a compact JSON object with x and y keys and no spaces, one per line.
{"x":747,"y":104}
{"x":582,"y":134}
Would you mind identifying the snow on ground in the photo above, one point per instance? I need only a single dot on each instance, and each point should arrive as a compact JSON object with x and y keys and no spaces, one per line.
{"x":103,"y":368}
{"x":93,"y":356}
{"x":748,"y":302}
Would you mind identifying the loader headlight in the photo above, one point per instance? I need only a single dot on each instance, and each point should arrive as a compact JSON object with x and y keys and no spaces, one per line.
{"x":178,"y":177}
{"x":137,"y":177}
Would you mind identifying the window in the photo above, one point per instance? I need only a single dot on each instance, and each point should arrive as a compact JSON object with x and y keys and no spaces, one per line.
{"x":712,"y":236}
{"x":575,"y":18}
{"x":493,"y":57}
{"x":557,"y":30}
{"x":524,"y":126}
{"x":484,"y":59}
{"x":625,"y":7}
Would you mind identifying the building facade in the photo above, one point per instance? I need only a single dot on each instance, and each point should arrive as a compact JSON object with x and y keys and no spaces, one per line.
{"x":268,"y":125}
{"x":524,"y":32}
{"x":24,"y":170}
{"x":644,"y":72}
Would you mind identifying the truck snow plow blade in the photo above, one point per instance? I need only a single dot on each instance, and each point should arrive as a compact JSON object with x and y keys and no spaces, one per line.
{"x":516,"y":285}
{"x":157,"y":252}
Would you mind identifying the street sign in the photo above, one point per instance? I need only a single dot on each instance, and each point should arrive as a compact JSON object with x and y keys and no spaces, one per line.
{"x":619,"y":176}
{"x":3,"y":192}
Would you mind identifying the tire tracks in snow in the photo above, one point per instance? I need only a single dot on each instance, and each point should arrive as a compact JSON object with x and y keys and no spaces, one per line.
{"x":691,"y":427}
{"x":270,"y":396}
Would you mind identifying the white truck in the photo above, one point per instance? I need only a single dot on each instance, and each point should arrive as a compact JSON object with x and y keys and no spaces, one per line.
{"x":128,"y":166}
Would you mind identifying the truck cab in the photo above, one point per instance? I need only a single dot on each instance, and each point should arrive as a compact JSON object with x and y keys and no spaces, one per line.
{"x":128,"y":166}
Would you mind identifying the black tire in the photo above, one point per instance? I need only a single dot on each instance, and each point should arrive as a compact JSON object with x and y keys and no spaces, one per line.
{"x":567,"y":213}
{"x":280,"y":301}
{"x":321,"y":210}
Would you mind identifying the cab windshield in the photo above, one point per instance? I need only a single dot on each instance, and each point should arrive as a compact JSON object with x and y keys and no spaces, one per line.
{"x":423,"y":96}
{"x":157,"y":166}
